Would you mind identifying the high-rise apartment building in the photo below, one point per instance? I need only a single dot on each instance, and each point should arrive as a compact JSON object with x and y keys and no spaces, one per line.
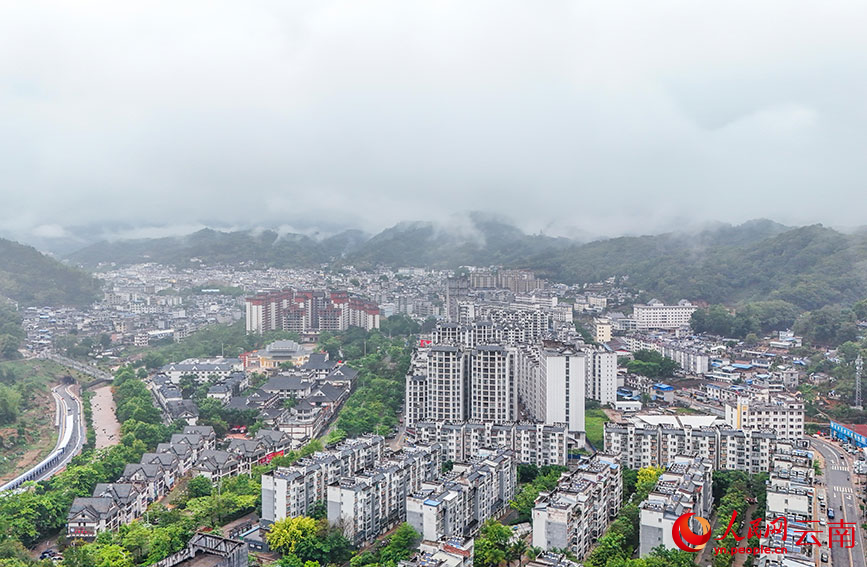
{"x":493,"y":393}
{"x":602,"y":377}
{"x":309,"y":310}
{"x":474,"y":372}
{"x":456,"y":382}
{"x":552,"y":383}
{"x":457,"y":290}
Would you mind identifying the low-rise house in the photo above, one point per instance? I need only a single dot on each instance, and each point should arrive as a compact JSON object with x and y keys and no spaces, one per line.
{"x":318,"y":365}
{"x":220,"y":392}
{"x":341,"y":375}
{"x":266,"y":445}
{"x":183,"y":410}
{"x":288,"y":386}
{"x":89,"y":516}
{"x":147,"y":478}
{"x":130,"y":502}
{"x":216,"y":465}
{"x":119,"y":503}
{"x":202,"y":369}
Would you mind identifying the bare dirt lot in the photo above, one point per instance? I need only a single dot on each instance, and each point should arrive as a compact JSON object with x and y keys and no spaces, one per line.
{"x":104,"y":420}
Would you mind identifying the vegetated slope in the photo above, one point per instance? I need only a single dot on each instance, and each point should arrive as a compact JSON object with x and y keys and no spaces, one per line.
{"x":215,"y":247}
{"x":483,"y":242}
{"x":32,"y":278}
{"x":808,"y":266}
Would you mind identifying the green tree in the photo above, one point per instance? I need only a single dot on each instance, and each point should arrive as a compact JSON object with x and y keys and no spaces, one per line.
{"x":153,"y":360}
{"x":10,"y":404}
{"x":630,"y":480}
{"x":199,"y":486}
{"x":516,"y":550}
{"x":400,"y":546}
{"x":285,"y":534}
{"x":492,"y":544}
{"x":136,"y":539}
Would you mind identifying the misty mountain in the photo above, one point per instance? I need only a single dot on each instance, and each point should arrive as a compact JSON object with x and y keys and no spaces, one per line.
{"x":210,"y":246}
{"x":808,"y":266}
{"x":481,"y":241}
{"x":759,"y":260}
{"x":32,"y":278}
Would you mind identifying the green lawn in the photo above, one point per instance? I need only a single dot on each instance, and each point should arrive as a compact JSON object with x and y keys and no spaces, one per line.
{"x":594,"y":420}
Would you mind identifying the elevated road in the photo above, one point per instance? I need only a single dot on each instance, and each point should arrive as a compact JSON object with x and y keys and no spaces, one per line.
{"x":70,"y":439}
{"x":88,"y":369}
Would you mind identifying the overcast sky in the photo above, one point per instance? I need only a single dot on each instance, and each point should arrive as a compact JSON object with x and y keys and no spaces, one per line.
{"x":566,"y":117}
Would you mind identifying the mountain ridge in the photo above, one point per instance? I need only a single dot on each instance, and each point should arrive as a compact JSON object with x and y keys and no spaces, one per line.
{"x":30,"y":277}
{"x":808,"y":266}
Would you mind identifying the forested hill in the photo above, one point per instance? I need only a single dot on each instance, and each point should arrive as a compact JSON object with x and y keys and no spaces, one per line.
{"x":32,"y":278}
{"x":214,"y":247}
{"x":482,"y":242}
{"x":808,"y":266}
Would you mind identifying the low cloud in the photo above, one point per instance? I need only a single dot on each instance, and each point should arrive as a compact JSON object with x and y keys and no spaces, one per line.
{"x":570,"y":118}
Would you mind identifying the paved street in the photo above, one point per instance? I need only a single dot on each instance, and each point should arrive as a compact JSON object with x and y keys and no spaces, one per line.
{"x":692,"y":403}
{"x":843,"y":498}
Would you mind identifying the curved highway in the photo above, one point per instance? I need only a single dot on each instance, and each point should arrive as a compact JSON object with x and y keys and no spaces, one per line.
{"x":843,"y":497}
{"x":70,"y":439}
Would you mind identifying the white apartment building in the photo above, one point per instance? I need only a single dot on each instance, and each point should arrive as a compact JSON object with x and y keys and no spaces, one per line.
{"x":470,"y":372}
{"x":582,"y":506}
{"x":303,"y":310}
{"x":445,"y":386}
{"x":533,"y":443}
{"x":374,"y":500}
{"x":652,"y":441}
{"x":790,"y":495}
{"x":690,"y":360}
{"x":555,"y":378}
{"x":657,"y":315}
{"x":458,"y":503}
{"x":602,"y":378}
{"x":493,"y":392}
{"x":552,"y":379}
{"x":684,"y":487}
{"x":291,"y":491}
{"x":782,"y":413}
{"x":455,"y":383}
